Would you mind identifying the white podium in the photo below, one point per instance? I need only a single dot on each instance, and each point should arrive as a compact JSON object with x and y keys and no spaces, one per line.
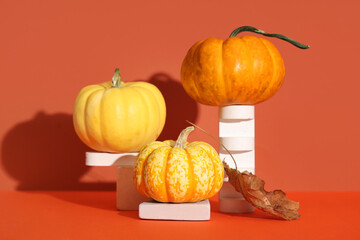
{"x":237,"y":134}
{"x":128,"y":198}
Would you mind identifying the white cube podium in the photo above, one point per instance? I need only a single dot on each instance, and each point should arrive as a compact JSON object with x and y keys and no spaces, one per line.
{"x":128,"y":198}
{"x":237,"y":134}
{"x":199,"y":211}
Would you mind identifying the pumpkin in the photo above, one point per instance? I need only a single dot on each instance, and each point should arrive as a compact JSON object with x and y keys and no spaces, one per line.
{"x":246,"y":70}
{"x":178,"y":171}
{"x":119,"y":117}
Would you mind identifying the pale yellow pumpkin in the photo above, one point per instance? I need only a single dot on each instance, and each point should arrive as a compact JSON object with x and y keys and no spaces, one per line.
{"x":172,"y":171}
{"x":119,"y":117}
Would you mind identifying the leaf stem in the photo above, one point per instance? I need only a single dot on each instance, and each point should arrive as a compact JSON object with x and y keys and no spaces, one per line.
{"x":215,"y":140}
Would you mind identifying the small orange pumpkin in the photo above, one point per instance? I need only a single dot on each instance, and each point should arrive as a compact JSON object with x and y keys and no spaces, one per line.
{"x":245,"y":70}
{"x":172,"y":171}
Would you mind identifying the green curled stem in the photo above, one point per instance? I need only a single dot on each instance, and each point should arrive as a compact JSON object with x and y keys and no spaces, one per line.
{"x":255,"y":30}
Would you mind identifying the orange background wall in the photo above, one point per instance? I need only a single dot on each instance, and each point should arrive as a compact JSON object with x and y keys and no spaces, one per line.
{"x":307,"y":135}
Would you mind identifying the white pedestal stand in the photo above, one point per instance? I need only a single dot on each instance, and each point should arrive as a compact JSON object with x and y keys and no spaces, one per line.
{"x":128,"y":198}
{"x":237,"y":134}
{"x":199,"y":211}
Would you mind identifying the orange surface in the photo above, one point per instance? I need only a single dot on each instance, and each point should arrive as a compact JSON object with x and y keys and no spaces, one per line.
{"x":92,"y":215}
{"x":307,"y":135}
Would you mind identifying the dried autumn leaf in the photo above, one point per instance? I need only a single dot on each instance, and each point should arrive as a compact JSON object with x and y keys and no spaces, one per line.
{"x":252,"y":188}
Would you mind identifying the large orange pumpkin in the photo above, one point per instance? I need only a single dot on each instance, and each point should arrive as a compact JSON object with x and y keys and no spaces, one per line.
{"x":245,"y":70}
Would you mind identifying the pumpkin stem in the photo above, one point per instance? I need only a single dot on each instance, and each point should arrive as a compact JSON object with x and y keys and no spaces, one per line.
{"x":116,"y":79}
{"x":232,"y":157}
{"x":182,"y":139}
{"x":255,"y":30}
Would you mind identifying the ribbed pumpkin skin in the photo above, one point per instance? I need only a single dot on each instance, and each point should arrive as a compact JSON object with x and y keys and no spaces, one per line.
{"x":119,"y":119}
{"x":170,"y":174}
{"x":246,"y":70}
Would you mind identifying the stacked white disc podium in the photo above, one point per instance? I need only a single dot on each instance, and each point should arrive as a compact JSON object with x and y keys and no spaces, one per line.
{"x":237,"y":134}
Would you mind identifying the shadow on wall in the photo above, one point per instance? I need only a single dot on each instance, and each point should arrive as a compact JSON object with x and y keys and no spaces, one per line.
{"x":46,"y":154}
{"x":179,"y":105}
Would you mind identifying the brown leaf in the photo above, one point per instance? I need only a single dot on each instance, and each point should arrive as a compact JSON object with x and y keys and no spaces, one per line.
{"x":252,"y":188}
